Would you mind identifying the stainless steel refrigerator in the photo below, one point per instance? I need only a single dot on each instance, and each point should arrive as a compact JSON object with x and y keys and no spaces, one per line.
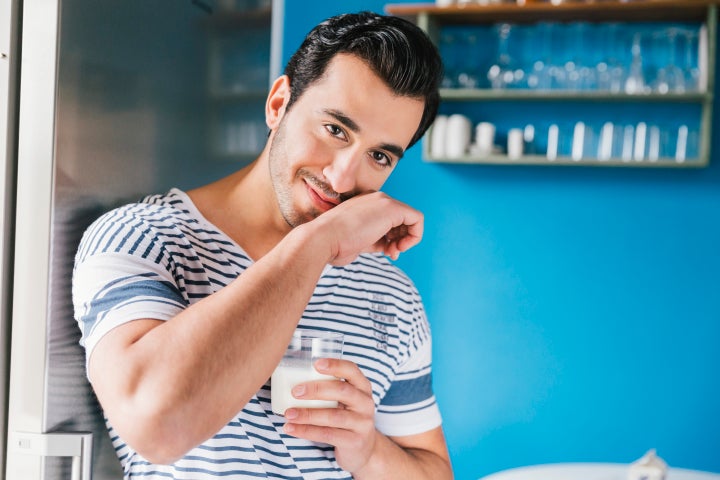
{"x":102,"y":102}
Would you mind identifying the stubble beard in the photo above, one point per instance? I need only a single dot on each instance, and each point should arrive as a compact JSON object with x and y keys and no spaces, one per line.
{"x":283,"y":183}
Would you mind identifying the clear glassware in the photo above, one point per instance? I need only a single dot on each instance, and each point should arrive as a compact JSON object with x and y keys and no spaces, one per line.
{"x":610,"y":71}
{"x":635,"y":81}
{"x":468,"y":73}
{"x":558,"y":47}
{"x":540,"y":77}
{"x":523,"y":69}
{"x":669,"y":78}
{"x":690,"y":61}
{"x":451,"y":59}
{"x":584,"y":76}
{"x":502,"y":73}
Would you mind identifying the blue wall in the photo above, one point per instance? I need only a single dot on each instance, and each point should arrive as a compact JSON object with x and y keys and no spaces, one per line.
{"x":575,"y":311}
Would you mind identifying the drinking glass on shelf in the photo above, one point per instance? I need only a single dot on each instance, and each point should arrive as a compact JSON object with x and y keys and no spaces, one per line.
{"x":690,"y":60}
{"x":580,"y":74}
{"x":670,"y":77}
{"x":469,"y":69}
{"x":539,"y":76}
{"x":502,"y":73}
{"x":559,"y":49}
{"x":525,"y":40}
{"x":635,"y":81}
{"x":610,"y":71}
{"x":451,"y":59}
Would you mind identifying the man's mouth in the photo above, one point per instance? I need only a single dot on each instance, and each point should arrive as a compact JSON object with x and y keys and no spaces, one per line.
{"x":320,"y":197}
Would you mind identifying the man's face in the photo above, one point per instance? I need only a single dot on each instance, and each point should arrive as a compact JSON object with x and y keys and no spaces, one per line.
{"x":342,"y":137}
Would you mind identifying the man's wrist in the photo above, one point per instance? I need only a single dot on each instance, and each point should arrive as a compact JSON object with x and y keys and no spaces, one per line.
{"x":376,"y":466}
{"x":312,"y":240}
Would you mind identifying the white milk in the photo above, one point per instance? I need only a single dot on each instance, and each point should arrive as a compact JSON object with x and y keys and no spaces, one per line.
{"x":285,"y":377}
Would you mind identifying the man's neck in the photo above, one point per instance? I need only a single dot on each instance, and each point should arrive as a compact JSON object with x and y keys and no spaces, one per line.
{"x":243,"y":206}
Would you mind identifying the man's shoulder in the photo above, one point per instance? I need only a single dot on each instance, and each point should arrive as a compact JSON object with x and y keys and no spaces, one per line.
{"x":142,"y":225}
{"x":170,"y":207}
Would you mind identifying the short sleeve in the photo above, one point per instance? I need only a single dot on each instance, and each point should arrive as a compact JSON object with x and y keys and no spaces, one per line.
{"x":409,"y":406}
{"x":112,"y":286}
{"x":112,"y":289}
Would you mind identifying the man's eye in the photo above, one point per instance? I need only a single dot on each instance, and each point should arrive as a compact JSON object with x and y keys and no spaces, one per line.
{"x":381,"y":159}
{"x":334,"y":130}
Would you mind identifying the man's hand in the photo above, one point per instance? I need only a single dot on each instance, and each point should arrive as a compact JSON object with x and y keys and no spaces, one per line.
{"x":350,"y":428}
{"x":371,"y":222}
{"x":359,"y":448}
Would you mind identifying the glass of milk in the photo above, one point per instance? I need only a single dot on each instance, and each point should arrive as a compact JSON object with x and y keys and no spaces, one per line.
{"x":297,"y":366}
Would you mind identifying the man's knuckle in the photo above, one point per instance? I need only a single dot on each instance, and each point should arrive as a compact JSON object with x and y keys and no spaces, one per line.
{"x":344,"y":388}
{"x":327,"y":435}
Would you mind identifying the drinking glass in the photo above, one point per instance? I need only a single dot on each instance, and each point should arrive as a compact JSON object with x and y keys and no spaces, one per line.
{"x":469,"y":69}
{"x":451,"y":59}
{"x":690,"y":61}
{"x":580,"y":74}
{"x":635,"y":81}
{"x":502,"y":73}
{"x":670,"y":77}
{"x":540,"y":76}
{"x":610,"y":71}
{"x":297,"y":366}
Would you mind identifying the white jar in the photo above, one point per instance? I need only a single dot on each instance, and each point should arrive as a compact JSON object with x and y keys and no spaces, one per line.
{"x":457,"y":138}
{"x":438,"y":132}
{"x":515,"y":143}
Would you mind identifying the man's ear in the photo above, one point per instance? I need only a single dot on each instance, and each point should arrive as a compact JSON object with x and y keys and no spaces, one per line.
{"x":277,"y":100}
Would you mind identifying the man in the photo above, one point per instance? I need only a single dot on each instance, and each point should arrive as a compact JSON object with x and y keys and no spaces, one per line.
{"x":187,"y":301}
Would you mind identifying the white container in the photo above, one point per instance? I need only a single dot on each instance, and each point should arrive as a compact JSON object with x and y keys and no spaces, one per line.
{"x":640,"y":140}
{"x":649,"y":467}
{"x":605,"y":148}
{"x":515,"y":143}
{"x":438,"y":132}
{"x":484,"y":138}
{"x":457,"y":138}
{"x":553,"y":142}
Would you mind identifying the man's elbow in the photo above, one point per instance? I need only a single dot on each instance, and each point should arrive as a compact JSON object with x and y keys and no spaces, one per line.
{"x":154,"y":432}
{"x":156,"y":445}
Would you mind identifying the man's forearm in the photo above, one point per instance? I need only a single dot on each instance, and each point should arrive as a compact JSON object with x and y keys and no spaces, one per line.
{"x":393,"y":462}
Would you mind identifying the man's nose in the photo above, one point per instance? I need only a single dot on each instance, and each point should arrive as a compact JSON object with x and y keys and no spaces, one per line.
{"x":342,"y":172}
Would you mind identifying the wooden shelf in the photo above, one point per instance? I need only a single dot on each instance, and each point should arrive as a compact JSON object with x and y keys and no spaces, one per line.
{"x":542,"y":160}
{"x":598,"y":10}
{"x":462,"y":94}
{"x":433,"y":19}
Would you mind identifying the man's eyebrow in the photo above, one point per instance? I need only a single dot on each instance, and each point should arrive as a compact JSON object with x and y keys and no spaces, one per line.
{"x":342,"y":118}
{"x":394,"y":149}
{"x":350,"y":123}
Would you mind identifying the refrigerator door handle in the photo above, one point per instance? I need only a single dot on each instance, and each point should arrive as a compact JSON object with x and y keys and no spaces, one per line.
{"x":77,"y":445}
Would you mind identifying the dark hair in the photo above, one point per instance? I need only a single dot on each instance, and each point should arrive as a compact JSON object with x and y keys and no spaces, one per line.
{"x":397,"y":51}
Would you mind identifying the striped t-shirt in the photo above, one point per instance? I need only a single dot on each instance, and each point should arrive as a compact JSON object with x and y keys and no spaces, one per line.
{"x":154,"y":258}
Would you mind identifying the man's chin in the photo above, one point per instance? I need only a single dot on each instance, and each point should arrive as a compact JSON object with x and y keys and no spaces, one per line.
{"x":298,"y":219}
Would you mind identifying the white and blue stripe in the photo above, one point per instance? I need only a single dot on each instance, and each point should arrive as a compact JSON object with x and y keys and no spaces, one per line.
{"x":154,"y":258}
